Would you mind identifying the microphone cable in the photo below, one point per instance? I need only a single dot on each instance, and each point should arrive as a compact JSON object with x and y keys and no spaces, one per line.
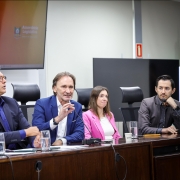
{"x":10,"y":164}
{"x":116,"y":159}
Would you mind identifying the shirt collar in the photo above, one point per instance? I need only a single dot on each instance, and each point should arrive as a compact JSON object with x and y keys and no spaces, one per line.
{"x":59,"y":105}
{"x":159,"y":101}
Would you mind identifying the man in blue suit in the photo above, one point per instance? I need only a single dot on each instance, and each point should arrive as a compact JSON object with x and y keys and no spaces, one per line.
{"x":59,"y":114}
{"x":17,"y":131}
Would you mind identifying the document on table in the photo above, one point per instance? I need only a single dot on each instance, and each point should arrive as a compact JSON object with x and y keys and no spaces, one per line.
{"x":65,"y":147}
{"x":52,"y":148}
{"x":23,"y":150}
{"x":17,"y":153}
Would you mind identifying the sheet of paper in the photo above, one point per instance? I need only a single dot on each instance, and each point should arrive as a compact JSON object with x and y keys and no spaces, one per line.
{"x":62,"y":148}
{"x":25,"y":150}
{"x":17,"y":153}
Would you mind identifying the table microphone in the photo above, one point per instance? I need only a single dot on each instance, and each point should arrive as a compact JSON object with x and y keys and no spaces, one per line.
{"x":91,"y":140}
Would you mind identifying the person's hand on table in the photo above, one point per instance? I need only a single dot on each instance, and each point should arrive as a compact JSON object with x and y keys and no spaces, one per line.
{"x":57,"y":143}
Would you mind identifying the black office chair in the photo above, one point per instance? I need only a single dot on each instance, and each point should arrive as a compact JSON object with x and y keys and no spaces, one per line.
{"x":25,"y":93}
{"x":130,"y":95}
{"x":83,"y":97}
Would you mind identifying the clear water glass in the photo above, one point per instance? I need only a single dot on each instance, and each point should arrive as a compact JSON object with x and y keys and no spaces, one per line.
{"x":2,"y":143}
{"x":45,"y":140}
{"x":134,"y":129}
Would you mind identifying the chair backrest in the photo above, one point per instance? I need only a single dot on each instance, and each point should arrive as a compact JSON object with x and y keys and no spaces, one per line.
{"x":24,"y":93}
{"x":130,"y":95}
{"x":83,"y":96}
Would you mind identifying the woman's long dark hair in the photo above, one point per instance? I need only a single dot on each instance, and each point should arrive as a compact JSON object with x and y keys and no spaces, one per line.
{"x":93,"y":101}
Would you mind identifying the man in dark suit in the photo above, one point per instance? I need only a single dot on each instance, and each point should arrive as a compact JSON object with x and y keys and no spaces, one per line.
{"x":17,"y":131}
{"x":160,"y":114}
{"x":59,"y":114}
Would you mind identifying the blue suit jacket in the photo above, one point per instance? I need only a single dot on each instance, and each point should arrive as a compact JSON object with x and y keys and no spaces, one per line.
{"x":16,"y":121}
{"x":46,"y":109}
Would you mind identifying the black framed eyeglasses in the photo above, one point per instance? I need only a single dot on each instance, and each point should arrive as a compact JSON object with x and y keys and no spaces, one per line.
{"x":2,"y":77}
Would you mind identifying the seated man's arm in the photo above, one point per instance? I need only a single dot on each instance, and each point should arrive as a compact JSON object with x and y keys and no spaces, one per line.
{"x":21,"y":130}
{"x":144,"y":120}
{"x":175,"y":116}
{"x":12,"y":137}
{"x":39,"y":118}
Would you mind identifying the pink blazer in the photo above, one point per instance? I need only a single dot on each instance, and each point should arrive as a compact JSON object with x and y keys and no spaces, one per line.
{"x":95,"y":128}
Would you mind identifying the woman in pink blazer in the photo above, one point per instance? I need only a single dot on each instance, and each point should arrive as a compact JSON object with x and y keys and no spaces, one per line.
{"x":99,"y":119}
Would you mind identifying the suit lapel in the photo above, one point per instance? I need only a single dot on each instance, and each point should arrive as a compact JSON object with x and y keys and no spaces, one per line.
{"x":69,"y":122}
{"x":4,"y":129}
{"x":54,"y":109}
{"x":158,"y":109}
{"x":9,"y":116}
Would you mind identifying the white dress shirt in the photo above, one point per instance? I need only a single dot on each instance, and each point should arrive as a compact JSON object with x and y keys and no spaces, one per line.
{"x":62,"y":126}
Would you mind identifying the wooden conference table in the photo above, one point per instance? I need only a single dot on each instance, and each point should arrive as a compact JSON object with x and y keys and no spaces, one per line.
{"x":146,"y":158}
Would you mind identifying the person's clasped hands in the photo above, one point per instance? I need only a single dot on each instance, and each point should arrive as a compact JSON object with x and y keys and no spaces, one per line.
{"x":34,"y":131}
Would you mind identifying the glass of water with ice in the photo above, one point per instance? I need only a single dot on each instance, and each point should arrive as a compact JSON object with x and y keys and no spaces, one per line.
{"x":2,"y":143}
{"x":45,"y":140}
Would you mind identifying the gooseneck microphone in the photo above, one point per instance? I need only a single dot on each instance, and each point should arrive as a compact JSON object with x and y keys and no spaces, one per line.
{"x":91,"y":140}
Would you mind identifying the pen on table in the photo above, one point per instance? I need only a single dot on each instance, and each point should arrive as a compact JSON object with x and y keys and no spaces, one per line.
{"x":148,"y":135}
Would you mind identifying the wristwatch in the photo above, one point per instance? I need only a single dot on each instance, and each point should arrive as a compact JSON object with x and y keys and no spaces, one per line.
{"x":54,"y":122}
{"x":177,"y":108}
